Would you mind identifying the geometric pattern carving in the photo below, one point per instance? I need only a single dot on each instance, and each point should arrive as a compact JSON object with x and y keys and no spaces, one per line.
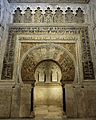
{"x":8,"y":62}
{"x":48,"y":16}
{"x":28,"y":15}
{"x":17,"y":17}
{"x":69,"y":16}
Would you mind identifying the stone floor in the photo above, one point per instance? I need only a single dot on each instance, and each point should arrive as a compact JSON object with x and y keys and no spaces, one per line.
{"x":50,"y":119}
{"x":49,"y":113}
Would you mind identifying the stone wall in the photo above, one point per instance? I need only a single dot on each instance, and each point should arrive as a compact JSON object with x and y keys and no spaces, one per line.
{"x":15,"y":100}
{"x":5,"y":15}
{"x":80,"y":101}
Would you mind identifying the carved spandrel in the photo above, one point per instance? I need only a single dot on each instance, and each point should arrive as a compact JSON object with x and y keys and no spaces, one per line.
{"x":17,"y":17}
{"x":79,"y":17}
{"x":58,"y":16}
{"x":48,"y":16}
{"x":28,"y":15}
{"x":38,"y":16}
{"x":69,"y":16}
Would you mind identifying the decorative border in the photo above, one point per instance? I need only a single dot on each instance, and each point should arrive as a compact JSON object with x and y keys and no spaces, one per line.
{"x":8,"y":63}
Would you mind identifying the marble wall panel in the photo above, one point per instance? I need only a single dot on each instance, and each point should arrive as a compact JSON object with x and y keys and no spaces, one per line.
{"x":15,"y":107}
{"x":25,"y":101}
{"x":5,"y":102}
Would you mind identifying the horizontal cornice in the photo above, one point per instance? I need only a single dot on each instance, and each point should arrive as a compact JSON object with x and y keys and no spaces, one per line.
{"x":48,"y":1}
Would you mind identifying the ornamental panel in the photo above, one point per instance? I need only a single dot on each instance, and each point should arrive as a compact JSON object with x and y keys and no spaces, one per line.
{"x":8,"y":63}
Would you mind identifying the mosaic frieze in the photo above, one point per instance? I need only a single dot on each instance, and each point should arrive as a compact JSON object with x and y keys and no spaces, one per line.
{"x":49,"y":16}
{"x":8,"y":63}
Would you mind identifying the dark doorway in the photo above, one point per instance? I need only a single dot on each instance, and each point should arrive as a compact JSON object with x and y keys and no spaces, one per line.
{"x":32,"y":91}
{"x":64,"y":100}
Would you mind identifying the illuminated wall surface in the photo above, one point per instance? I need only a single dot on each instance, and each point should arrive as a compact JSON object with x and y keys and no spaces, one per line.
{"x":47,"y":59}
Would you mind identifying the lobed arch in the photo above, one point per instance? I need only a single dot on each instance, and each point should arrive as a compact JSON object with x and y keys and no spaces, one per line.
{"x":53,"y":52}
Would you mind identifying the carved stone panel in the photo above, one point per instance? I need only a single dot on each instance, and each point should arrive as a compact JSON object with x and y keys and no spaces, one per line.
{"x":28,"y":15}
{"x":17,"y":17}
{"x":48,"y":16}
{"x":38,"y":16}
{"x":69,"y":16}
{"x":79,"y":17}
{"x":58,"y":16}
